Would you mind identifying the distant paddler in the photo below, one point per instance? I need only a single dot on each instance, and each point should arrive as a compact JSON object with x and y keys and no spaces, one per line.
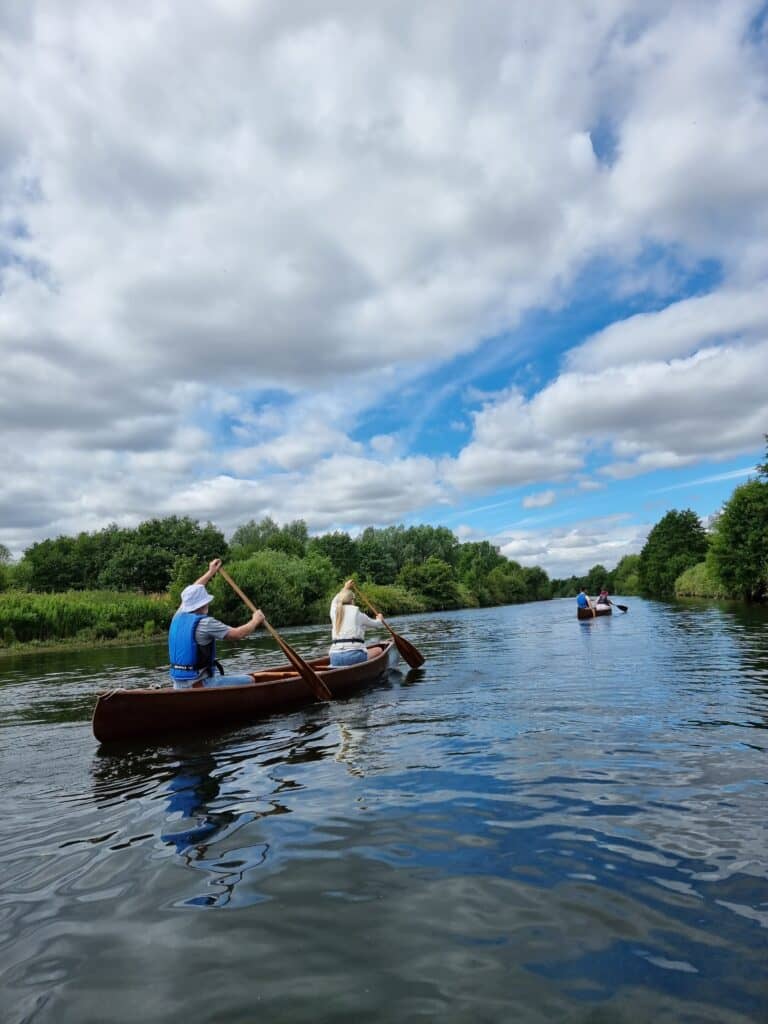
{"x":583,"y":601}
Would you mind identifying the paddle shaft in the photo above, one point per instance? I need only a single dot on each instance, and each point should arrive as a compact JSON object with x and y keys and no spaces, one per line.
{"x":409,"y":653}
{"x":307,"y":673}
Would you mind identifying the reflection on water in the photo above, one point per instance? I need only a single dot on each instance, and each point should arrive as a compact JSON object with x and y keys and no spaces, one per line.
{"x":552,"y":820}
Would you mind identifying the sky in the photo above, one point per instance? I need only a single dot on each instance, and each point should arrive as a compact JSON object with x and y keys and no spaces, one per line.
{"x":500,"y":266}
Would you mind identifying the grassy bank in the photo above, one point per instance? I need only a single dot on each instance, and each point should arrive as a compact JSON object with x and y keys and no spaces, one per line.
{"x":80,"y":618}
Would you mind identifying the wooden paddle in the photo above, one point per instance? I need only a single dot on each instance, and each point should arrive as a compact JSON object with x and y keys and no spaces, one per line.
{"x":308,"y":674}
{"x":407,"y":651}
{"x":621,"y":607}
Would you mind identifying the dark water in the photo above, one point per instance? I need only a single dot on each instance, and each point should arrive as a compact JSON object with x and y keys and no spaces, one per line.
{"x":552,"y":821}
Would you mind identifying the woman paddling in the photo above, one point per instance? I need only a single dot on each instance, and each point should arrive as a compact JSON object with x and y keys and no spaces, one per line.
{"x":348,"y":625}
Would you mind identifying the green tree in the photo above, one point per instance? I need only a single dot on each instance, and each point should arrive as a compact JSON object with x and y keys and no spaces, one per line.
{"x":49,"y":565}
{"x":738,"y":553}
{"x":676,"y":543}
{"x":625,"y":575}
{"x":374,"y":557}
{"x":597,"y":578}
{"x":138,"y":566}
{"x":341,"y":550}
{"x":505,"y":584}
{"x":474,"y":563}
{"x":435,"y":579}
{"x":537,"y":585}
{"x":5,"y":561}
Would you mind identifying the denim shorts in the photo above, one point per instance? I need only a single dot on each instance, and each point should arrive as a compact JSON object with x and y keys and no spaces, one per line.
{"x":214,"y":681}
{"x":352,"y":657}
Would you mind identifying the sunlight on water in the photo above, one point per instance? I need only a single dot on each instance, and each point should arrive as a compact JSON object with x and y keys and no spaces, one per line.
{"x":553,"y":820}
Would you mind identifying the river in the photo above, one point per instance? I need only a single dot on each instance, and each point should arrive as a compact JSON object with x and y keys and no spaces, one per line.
{"x":553,"y":820}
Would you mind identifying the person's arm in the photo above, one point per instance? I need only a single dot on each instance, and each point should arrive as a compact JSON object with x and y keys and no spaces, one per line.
{"x":241,"y":632}
{"x":213,"y":568}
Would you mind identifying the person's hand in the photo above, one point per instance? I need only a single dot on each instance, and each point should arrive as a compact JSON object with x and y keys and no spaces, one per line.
{"x":214,"y":566}
{"x":379,"y":616}
{"x":349,"y":584}
{"x":257,"y":618}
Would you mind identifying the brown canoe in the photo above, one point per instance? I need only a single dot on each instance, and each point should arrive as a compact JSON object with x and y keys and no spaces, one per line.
{"x":586,"y":613}
{"x":135,"y":714}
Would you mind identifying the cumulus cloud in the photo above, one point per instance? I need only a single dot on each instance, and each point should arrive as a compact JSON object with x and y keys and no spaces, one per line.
{"x":574,"y":549}
{"x":229,"y":233}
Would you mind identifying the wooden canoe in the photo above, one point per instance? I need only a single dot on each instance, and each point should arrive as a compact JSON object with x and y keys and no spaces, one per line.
{"x":139,"y":713}
{"x":601,"y":609}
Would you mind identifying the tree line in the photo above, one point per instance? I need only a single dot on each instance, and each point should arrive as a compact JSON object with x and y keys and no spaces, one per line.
{"x":81,"y":586}
{"x":284,"y":570}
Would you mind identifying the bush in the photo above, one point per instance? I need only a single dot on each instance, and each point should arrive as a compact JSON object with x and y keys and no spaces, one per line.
{"x":100,"y":614}
{"x":698,"y":581}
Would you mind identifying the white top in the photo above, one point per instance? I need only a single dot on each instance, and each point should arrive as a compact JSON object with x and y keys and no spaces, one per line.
{"x":353,"y":626}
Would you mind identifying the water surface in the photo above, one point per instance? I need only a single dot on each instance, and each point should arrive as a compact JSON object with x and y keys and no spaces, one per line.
{"x":551,"y":821}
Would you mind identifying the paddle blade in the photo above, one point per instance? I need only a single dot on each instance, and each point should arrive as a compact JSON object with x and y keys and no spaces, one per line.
{"x":408,"y":652}
{"x":622,"y":607}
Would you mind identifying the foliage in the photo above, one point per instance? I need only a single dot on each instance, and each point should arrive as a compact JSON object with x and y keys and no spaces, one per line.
{"x":282,"y":585}
{"x":341,"y":550}
{"x":433,"y":578}
{"x":268,"y":535}
{"x":392,"y":600}
{"x":699,"y":581}
{"x":739,"y":548}
{"x":87,"y":615}
{"x":625,"y":576}
{"x":598,"y":578}
{"x":375,"y":561}
{"x":676,"y":543}
{"x":119,"y":559}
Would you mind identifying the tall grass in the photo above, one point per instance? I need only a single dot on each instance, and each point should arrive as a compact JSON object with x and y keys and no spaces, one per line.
{"x":82,"y":615}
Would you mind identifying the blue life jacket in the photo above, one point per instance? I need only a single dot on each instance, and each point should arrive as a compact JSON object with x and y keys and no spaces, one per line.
{"x":582,"y":601}
{"x":188,"y":659}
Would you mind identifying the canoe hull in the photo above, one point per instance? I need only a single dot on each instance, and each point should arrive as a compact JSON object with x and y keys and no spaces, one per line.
{"x":586,"y":613}
{"x":136,"y":714}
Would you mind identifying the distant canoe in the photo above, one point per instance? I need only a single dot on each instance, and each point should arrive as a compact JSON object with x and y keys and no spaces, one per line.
{"x":587,"y":613}
{"x":136,"y":714}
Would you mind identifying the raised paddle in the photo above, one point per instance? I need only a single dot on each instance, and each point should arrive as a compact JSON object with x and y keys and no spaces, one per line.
{"x":408,"y":652}
{"x":307,"y":673}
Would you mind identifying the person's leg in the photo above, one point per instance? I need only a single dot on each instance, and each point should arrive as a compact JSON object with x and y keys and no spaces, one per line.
{"x":374,"y":652}
{"x":228,"y":681}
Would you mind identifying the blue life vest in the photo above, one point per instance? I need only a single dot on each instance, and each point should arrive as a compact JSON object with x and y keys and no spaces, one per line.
{"x":188,"y":659}
{"x":582,"y":601}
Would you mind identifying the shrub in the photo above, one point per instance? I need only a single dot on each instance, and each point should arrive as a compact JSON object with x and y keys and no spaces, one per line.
{"x":698,"y":581}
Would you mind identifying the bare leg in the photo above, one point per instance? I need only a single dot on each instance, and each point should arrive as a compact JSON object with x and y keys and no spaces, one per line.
{"x":374,"y":652}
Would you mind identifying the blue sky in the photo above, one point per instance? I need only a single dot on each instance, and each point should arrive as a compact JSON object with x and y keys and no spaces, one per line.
{"x":499,"y":267}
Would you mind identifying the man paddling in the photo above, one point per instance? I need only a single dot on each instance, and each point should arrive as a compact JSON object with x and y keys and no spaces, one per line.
{"x":583,"y":600}
{"x":193,"y":635}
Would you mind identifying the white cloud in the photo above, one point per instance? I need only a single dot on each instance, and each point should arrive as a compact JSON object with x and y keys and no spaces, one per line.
{"x":679,"y":330}
{"x":540,"y":500}
{"x":572,"y":550}
{"x":225,"y":239}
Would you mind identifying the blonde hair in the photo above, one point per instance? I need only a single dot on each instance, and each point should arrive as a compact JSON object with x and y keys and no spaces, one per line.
{"x":344,"y":597}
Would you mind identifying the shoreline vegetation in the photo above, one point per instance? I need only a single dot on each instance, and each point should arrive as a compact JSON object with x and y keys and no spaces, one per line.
{"x":122,"y":585}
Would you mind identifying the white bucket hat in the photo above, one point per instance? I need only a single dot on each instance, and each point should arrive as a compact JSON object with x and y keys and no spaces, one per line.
{"x":195,"y":596}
